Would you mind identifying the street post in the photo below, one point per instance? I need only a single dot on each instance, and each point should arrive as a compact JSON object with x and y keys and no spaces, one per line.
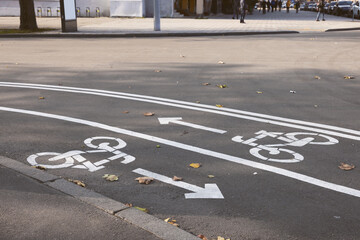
{"x":68,"y":16}
{"x":157,"y":15}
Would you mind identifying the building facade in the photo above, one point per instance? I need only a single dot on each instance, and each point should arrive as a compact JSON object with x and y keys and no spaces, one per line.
{"x":93,"y":8}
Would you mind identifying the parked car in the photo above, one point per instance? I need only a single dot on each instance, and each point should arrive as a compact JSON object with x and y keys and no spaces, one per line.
{"x":312,"y":7}
{"x":355,"y":8}
{"x":343,"y":7}
{"x":331,"y":8}
{"x":326,"y":7}
{"x":302,"y":7}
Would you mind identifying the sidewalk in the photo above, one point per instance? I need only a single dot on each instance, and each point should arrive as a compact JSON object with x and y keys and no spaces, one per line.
{"x":271,"y":22}
{"x":38,"y":205}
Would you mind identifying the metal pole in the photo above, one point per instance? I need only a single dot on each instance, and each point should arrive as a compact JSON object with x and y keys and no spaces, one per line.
{"x":157,"y":15}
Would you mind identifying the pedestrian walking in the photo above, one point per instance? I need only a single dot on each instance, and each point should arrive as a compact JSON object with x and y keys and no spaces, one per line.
{"x":242,"y":9}
{"x":268,"y":5}
{"x":263,"y":5}
{"x":288,"y":3}
{"x":280,"y":5}
{"x":321,"y":10}
{"x":276,"y":5}
{"x":297,"y":5}
{"x":272,"y":5}
{"x":235,"y":8}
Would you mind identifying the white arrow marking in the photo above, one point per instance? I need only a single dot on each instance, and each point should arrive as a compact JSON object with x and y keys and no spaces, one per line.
{"x":210,"y":190}
{"x":178,"y":120}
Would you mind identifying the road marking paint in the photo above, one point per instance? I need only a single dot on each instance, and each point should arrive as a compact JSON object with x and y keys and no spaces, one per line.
{"x":280,"y":121}
{"x":280,"y":171}
{"x":210,"y":191}
{"x":178,"y":120}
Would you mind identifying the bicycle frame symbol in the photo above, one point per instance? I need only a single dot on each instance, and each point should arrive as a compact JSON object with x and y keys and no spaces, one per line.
{"x":71,"y":158}
{"x":290,"y":139}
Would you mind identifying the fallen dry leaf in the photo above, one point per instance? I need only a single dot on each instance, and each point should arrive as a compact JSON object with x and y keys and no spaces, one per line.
{"x":221,"y":238}
{"x":202,"y":237}
{"x":78,"y":182}
{"x":144,"y":180}
{"x":182,"y":56}
{"x":259,"y":92}
{"x":346,"y":167}
{"x":206,"y":84}
{"x":126,"y":112}
{"x":129,"y":205}
{"x":317,"y":77}
{"x":149,"y":114}
{"x":172,"y":222}
{"x":195,"y":165}
{"x":211,"y":176}
{"x":157,"y":71}
{"x":197,"y":101}
{"x":219,"y":105}
{"x":175,"y":178}
{"x":221,"y":86}
{"x":349,"y":77}
{"x":142,"y":209}
{"x":39,"y":167}
{"x":221,"y":62}
{"x":41,"y":97}
{"x":110,"y":178}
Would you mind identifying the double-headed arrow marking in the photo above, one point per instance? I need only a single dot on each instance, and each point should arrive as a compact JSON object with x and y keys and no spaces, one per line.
{"x":178,"y":120}
{"x":210,"y":190}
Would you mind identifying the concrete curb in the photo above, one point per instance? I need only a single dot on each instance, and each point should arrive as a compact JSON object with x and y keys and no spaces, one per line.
{"x":136,"y":217}
{"x":139,"y":35}
{"x":342,"y":29}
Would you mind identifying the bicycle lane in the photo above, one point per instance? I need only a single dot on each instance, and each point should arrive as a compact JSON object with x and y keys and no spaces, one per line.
{"x":248,"y":173}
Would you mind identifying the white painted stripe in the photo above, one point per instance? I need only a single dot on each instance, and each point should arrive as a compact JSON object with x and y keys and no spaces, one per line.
{"x":292,"y":123}
{"x":280,"y":171}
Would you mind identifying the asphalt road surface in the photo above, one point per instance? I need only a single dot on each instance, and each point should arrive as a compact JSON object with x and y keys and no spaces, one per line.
{"x":269,"y":142}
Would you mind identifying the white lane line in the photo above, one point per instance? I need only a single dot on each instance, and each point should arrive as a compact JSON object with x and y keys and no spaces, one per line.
{"x":211,"y":190}
{"x":280,"y":171}
{"x":178,"y":120}
{"x":209,"y":109}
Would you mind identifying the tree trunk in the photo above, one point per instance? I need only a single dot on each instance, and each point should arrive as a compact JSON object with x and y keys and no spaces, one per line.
{"x":27,"y":15}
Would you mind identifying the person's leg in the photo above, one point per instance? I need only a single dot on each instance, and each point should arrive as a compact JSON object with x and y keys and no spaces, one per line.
{"x":318,"y":16}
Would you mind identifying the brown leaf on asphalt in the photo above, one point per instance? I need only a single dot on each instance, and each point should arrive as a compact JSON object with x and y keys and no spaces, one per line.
{"x":39,"y":167}
{"x":110,"y":178}
{"x":78,"y":182}
{"x":129,"y":205}
{"x":221,"y":86}
{"x":202,"y":237}
{"x":172,"y":222}
{"x":126,"y":112}
{"x":182,"y":56}
{"x":219,"y":105}
{"x":317,"y":77}
{"x":144,"y":180}
{"x":142,"y":209}
{"x":259,"y":92}
{"x":221,"y":62}
{"x":41,"y":98}
{"x":211,"y":176}
{"x":346,"y":167}
{"x":149,"y":114}
{"x":206,"y":84}
{"x":221,"y":238}
{"x":175,"y":178}
{"x":197,"y":101}
{"x":349,"y":77}
{"x":157,"y":71}
{"x":195,"y":165}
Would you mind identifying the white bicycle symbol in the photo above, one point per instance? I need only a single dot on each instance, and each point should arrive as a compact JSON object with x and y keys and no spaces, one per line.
{"x":290,"y":139}
{"x":71,"y":158}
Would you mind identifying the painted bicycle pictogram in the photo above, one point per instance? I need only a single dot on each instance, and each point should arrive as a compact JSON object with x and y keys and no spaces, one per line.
{"x":75,"y":158}
{"x":294,"y":139}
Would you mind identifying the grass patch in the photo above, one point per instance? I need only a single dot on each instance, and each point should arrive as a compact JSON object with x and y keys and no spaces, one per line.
{"x":12,"y":31}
